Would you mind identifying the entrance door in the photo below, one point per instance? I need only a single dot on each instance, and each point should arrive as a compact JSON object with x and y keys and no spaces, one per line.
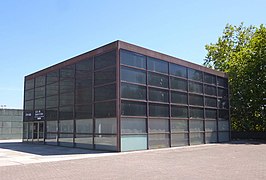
{"x":38,"y":132}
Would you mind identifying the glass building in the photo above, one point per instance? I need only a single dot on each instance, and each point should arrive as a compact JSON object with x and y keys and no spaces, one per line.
{"x":122,"y":97}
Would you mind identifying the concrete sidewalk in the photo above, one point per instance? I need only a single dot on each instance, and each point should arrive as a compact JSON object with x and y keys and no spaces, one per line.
{"x":237,"y":160}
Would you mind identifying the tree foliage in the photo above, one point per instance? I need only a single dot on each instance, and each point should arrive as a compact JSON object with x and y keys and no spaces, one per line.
{"x":241,"y":52}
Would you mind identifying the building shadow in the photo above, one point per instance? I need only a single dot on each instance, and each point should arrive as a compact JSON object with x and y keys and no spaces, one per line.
{"x":247,"y":141}
{"x":46,"y":150}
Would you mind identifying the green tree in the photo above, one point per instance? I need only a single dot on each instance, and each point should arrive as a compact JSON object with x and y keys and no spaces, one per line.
{"x":241,"y":53}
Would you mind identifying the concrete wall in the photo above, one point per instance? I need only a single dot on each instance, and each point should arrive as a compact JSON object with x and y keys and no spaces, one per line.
{"x":11,"y":124}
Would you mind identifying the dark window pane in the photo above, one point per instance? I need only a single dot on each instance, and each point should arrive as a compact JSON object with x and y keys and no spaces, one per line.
{"x":84,"y":65}
{"x":157,"y":80}
{"x":40,"y":81}
{"x":29,"y":105}
{"x":66,"y":112}
{"x":222,"y":82}
{"x":84,"y":75}
{"x":133,"y":126}
{"x":105,"y":92}
{"x":212,"y":102}
{"x":51,"y":114}
{"x":39,"y":103}
{"x":83,"y":111}
{"x":67,"y":72}
{"x":177,"y":70}
{"x":195,"y":87}
{"x":158,"y":110}
{"x":132,"y":59}
{"x":133,"y":108}
{"x":222,"y":92}
{"x":66,"y":85}
{"x":196,"y":113}
{"x":105,"y":60}
{"x":210,"y":79}
{"x":52,"y":89}
{"x":39,"y":92}
{"x":29,"y":94}
{"x":211,"y":113}
{"x":52,"y":77}
{"x":133,"y":75}
{"x":66,"y":99}
{"x":178,"y":97}
{"x":83,"y":96}
{"x":180,"y":112}
{"x":105,"y":109}
{"x":210,"y":90}
{"x":196,"y":125}
{"x":223,"y":103}
{"x":157,"y":65}
{"x":83,"y":83}
{"x":196,"y":100}
{"x":194,"y":75}
{"x":179,"y":84}
{"x":51,"y":101}
{"x":29,"y":84}
{"x":131,"y":91}
{"x":158,"y":125}
{"x":158,"y":95}
{"x":223,"y":115}
{"x":105,"y":76}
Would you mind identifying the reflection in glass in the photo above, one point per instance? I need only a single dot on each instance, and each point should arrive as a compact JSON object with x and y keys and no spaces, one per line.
{"x":158,"y":95}
{"x":178,"y":70}
{"x":157,"y":65}
{"x":133,"y":75}
{"x":132,"y":59}
{"x":133,"y":108}
{"x":158,"y":110}
{"x":179,"y":84}
{"x":131,"y":91}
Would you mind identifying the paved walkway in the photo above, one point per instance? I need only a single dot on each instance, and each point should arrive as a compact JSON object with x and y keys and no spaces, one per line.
{"x":238,"y":160}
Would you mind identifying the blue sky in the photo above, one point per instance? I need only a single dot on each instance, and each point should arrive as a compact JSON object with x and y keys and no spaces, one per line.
{"x":37,"y":34}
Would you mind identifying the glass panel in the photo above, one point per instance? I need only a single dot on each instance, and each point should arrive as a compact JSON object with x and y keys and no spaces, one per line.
{"x":25,"y":131}
{"x":222,"y":92}
{"x":179,"y":84}
{"x":158,"y":110}
{"x":196,"y":113}
{"x":39,"y":92}
{"x":177,"y":70}
{"x":157,"y":65}
{"x":51,"y":101}
{"x":105,"y":60}
{"x":222,"y":82}
{"x":223,"y":136}
{"x":158,"y":141}
{"x":105,"y":76}
{"x":211,"y":102}
{"x":84,"y":65}
{"x":51,"y":114}
{"x":29,"y":94}
{"x":66,"y":85}
{"x":133,"y":142}
{"x":210,"y":79}
{"x":158,"y":125}
{"x":29,"y":105}
{"x":105,"y":126}
{"x":178,"y":97}
{"x":105,"y":109}
{"x":210,"y":90}
{"x":133,"y":125}
{"x":67,"y":99}
{"x":52,"y":77}
{"x":195,"y":75}
{"x":67,"y":71}
{"x":66,"y":112}
{"x":196,"y":138}
{"x":133,"y":108}
{"x":51,"y":126}
{"x":66,"y":140}
{"x":211,"y":113}
{"x":195,"y":87}
{"x":82,"y":83}
{"x":83,"y":96}
{"x":84,"y":126}
{"x":52,"y":89}
{"x":132,"y":59}
{"x":196,"y":125}
{"x":157,"y":80}
{"x":105,"y":142}
{"x":29,"y":84}
{"x":158,"y":95}
{"x":179,"y":140}
{"x":223,"y":125}
{"x":39,"y":103}
{"x":84,"y":141}
{"x":223,"y":103}
{"x":131,"y":91}
{"x":211,"y":137}
{"x":83,"y":111}
{"x":210,"y":126}
{"x":66,"y":126}
{"x":180,"y":112}
{"x":223,"y":115}
{"x":105,"y":92}
{"x":40,"y":81}
{"x":196,"y":100}
{"x":51,"y":139}
{"x":179,"y":126}
{"x":133,"y":75}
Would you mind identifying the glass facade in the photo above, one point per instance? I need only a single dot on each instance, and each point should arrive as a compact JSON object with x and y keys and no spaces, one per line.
{"x":120,"y":100}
